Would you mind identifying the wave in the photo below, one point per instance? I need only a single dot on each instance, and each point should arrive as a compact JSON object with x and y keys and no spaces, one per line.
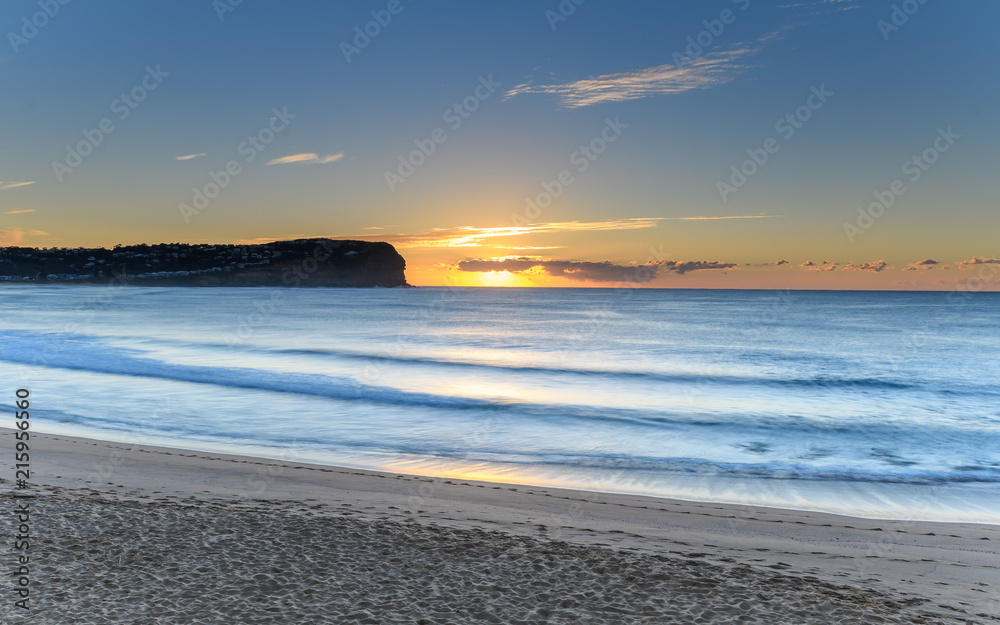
{"x":615,"y":374}
{"x":82,"y":354}
{"x":104,"y":360}
{"x":818,"y":381}
{"x":984,"y":473}
{"x":776,"y":470}
{"x":89,"y":354}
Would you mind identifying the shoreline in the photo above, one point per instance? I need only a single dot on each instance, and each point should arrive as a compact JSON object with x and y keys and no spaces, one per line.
{"x":950,"y":569}
{"x":456,"y":473}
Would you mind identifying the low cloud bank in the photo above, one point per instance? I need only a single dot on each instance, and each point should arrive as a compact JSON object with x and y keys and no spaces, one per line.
{"x":589,"y":271}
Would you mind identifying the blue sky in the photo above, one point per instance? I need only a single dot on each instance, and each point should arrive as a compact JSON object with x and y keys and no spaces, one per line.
{"x":892,"y":89}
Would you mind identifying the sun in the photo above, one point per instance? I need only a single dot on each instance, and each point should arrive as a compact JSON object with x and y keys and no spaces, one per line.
{"x":499,"y":278}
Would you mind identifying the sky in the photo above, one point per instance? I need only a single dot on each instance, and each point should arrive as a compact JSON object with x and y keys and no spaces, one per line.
{"x":820,"y":144}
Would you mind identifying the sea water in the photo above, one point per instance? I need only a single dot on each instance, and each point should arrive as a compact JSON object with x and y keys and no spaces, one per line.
{"x":879,"y":404}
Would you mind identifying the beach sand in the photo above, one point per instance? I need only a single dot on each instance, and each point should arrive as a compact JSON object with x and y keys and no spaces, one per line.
{"x":124,"y":533}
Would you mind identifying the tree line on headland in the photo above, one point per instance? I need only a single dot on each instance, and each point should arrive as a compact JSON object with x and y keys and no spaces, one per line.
{"x":301,"y":262}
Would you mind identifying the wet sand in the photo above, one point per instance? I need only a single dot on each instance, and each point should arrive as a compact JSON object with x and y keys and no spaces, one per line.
{"x":125,"y":533}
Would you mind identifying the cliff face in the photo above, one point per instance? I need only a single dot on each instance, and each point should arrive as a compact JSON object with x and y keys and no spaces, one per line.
{"x":303,"y":262}
{"x":320,"y":262}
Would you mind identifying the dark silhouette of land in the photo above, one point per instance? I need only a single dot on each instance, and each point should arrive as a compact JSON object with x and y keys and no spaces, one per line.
{"x":302,"y":262}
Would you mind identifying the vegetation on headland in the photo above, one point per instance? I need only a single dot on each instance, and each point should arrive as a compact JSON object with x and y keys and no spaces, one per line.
{"x":302,"y":262}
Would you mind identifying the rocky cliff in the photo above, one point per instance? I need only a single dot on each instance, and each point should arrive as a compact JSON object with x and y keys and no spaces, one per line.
{"x":302,"y":262}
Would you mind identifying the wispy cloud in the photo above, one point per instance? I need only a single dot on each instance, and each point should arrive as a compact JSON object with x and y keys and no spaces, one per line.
{"x":711,"y":70}
{"x":15,"y":236}
{"x":821,"y":7}
{"x":588,"y":271}
{"x":306,"y":158}
{"x":11,"y":237}
{"x":841,"y":5}
{"x":11,"y":185}
{"x":714,"y":217}
{"x":469,"y":236}
{"x":188,"y":157}
{"x":20,"y":212}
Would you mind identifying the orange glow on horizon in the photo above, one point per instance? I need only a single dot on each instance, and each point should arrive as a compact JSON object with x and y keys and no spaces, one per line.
{"x":500,"y":278}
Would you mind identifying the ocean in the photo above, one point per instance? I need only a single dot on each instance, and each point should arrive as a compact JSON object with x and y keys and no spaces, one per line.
{"x":876,"y":404}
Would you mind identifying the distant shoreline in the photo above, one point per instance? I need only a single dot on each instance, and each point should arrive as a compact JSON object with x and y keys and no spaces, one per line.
{"x":300,"y":262}
{"x":180,"y":285}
